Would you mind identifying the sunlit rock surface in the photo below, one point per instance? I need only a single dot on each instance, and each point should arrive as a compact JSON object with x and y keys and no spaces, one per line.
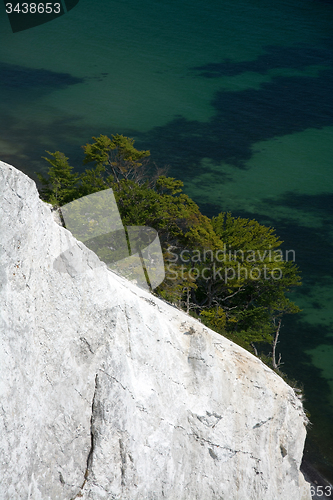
{"x":106,"y":392}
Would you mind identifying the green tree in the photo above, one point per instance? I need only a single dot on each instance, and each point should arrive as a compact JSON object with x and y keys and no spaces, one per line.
{"x":241,"y":279}
{"x":117,"y":158}
{"x":60,"y":186}
{"x":253,"y":282}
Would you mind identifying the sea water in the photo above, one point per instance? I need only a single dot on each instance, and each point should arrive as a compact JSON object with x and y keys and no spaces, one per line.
{"x":236,"y":97}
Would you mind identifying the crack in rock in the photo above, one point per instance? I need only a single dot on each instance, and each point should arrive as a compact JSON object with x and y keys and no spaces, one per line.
{"x":259,"y":424}
{"x":210,"y":419}
{"x":123,"y":461}
{"x":222,"y":448}
{"x":92,"y":443}
{"x":87,"y":344}
{"x":118,"y":382}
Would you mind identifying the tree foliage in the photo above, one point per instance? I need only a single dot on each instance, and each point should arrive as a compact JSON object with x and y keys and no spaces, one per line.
{"x":61,"y":185}
{"x":228,"y":271}
{"x":117,"y":157}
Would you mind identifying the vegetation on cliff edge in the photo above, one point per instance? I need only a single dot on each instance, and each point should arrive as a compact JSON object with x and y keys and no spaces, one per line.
{"x":227,"y":271}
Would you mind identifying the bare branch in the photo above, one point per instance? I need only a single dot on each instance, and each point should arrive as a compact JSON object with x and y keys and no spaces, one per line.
{"x":233,"y":294}
{"x":276,"y":364}
{"x":254,"y":348}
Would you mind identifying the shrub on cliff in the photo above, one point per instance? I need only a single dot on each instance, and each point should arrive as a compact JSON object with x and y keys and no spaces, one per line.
{"x":229,"y":272}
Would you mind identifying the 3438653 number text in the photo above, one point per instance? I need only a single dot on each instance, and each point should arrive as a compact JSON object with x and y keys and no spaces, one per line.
{"x":33,"y":8}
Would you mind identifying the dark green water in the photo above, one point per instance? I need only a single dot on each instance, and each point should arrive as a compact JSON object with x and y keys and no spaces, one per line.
{"x":235,"y":97}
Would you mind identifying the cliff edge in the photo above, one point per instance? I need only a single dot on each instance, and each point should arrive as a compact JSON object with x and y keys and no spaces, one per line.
{"x":107,"y":392}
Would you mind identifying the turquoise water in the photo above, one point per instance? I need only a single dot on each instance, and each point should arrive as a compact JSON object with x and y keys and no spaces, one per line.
{"x":235,"y":98}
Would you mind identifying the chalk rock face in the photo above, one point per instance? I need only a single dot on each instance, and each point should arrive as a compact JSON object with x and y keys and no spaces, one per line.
{"x":107,"y":392}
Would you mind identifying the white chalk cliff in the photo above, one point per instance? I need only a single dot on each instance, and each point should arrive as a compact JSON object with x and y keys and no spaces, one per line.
{"x":107,"y":392}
